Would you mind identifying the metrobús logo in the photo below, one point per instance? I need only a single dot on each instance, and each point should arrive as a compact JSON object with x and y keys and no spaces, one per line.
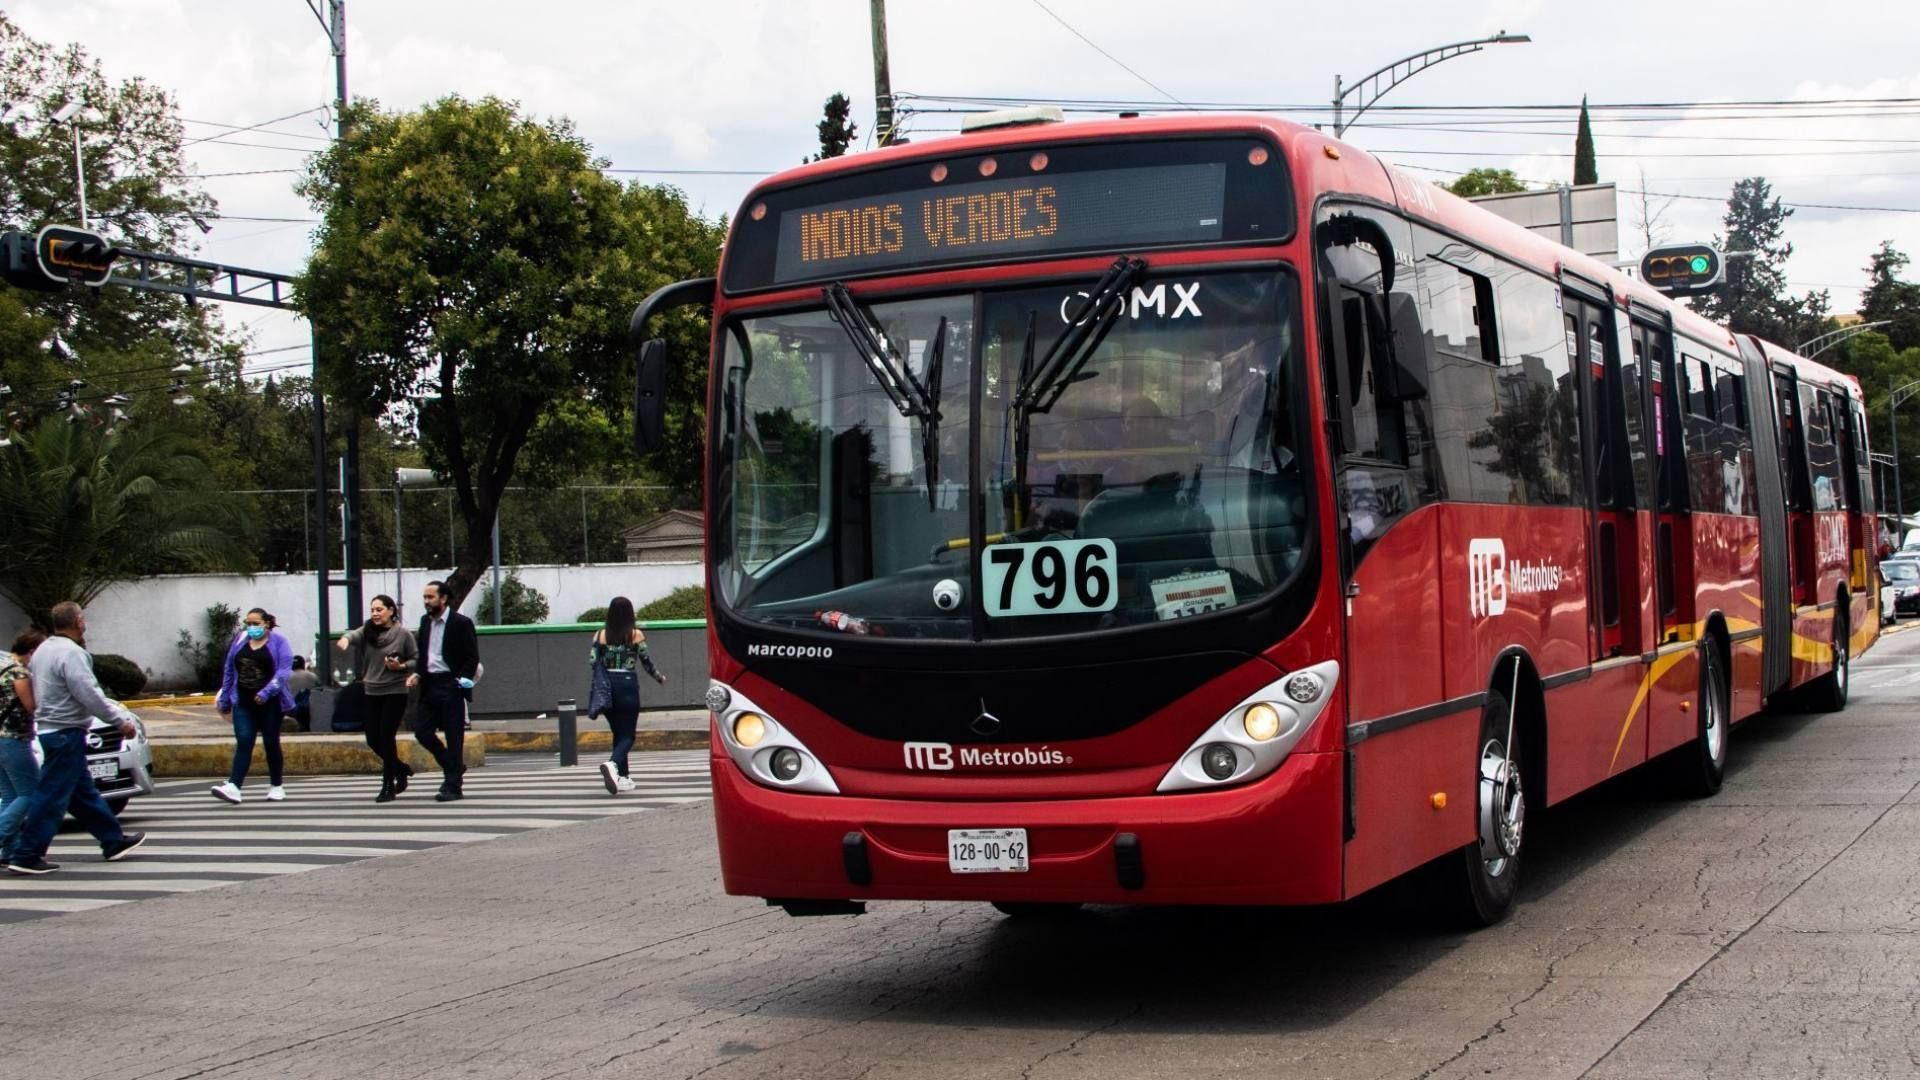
{"x":1491,"y":578}
{"x":943,"y":757}
{"x":792,"y":652}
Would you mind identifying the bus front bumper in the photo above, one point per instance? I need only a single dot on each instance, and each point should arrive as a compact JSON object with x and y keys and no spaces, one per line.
{"x":1274,"y":841}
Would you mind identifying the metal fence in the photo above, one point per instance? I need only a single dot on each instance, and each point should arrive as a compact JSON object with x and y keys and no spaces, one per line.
{"x":576,"y":524}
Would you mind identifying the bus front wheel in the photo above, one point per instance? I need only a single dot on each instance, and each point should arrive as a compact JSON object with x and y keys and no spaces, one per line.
{"x":1483,"y":876}
{"x":1828,"y":693}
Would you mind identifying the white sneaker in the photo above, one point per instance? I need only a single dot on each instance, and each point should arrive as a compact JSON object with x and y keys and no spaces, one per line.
{"x":277,"y":793}
{"x":226,"y":792}
{"x":625,"y":784}
{"x":610,"y":776}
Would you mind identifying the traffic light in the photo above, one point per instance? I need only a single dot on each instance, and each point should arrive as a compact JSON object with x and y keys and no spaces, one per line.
{"x":77,"y":256}
{"x":1683,"y":269}
{"x":19,"y":266}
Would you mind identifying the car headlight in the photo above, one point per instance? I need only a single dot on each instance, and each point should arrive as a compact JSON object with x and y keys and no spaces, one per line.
{"x":1256,"y":735}
{"x":764,"y":749}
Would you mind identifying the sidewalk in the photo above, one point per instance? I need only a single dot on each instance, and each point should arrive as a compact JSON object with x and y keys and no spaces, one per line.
{"x":191,"y":738}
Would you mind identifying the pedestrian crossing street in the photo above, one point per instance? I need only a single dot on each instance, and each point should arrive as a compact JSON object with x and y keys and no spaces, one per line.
{"x":196,"y":842}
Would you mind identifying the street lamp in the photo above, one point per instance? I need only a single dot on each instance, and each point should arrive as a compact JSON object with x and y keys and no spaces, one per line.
{"x":1831,"y":338}
{"x":1369,"y":89}
{"x":1894,"y":398}
{"x":72,"y":113}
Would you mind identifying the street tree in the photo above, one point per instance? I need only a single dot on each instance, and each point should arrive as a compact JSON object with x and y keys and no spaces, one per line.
{"x":1754,"y":298}
{"x":1475,"y":182}
{"x":1586,"y":169}
{"x":837,"y":129}
{"x":475,"y":270}
{"x":90,"y":506}
{"x":140,"y":195}
{"x":1889,"y":298}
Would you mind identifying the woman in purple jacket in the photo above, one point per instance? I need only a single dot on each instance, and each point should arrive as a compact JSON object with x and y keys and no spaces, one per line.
{"x":254,"y":690}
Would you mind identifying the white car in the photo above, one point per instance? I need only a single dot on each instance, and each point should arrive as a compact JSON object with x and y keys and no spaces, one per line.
{"x":1900,"y":588}
{"x":122,"y":767}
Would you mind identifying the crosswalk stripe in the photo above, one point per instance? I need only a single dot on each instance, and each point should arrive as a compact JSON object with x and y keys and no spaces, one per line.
{"x":195,"y":843}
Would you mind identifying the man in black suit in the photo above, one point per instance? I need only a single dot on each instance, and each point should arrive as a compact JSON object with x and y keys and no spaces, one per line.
{"x":447,"y":663}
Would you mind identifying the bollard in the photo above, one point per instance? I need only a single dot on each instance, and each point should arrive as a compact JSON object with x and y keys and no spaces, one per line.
{"x":569,"y":734}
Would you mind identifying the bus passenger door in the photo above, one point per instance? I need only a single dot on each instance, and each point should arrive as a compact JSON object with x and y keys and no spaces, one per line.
{"x":1673,"y":530}
{"x":1803,"y":565}
{"x":1614,"y":540}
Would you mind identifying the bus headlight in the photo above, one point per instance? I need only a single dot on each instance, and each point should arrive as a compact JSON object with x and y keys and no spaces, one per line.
{"x":748,"y":729}
{"x":1262,"y":722}
{"x":763,"y":749}
{"x":1257,"y":734}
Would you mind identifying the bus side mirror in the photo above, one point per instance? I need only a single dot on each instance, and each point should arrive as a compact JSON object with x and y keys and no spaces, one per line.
{"x":1409,"y":348}
{"x":650,"y":397}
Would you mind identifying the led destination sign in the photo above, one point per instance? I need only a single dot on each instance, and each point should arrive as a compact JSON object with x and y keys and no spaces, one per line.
{"x":1087,"y":198}
{"x":1170,"y":204}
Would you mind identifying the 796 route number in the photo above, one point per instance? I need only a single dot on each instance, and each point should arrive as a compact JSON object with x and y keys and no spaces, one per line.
{"x":1051,"y":577}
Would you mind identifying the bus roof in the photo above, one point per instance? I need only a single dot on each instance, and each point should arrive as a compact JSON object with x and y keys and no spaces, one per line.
{"x":1322,"y":165}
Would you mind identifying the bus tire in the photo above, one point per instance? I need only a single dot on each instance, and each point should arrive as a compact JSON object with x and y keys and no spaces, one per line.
{"x":1828,"y":693}
{"x":1034,"y":912}
{"x":1700,"y":767}
{"x":1481,"y":879}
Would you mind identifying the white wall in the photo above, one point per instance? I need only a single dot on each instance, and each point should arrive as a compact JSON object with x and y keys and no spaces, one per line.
{"x":142,"y":620}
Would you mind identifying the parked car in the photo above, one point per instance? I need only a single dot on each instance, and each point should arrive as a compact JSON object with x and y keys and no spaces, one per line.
{"x":122,"y":767}
{"x":1900,"y":593}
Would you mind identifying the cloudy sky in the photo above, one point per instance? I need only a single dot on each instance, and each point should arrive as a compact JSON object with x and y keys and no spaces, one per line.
{"x":710,"y":95}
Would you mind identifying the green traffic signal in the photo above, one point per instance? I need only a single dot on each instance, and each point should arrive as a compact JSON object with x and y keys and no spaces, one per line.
{"x":1698,"y":264}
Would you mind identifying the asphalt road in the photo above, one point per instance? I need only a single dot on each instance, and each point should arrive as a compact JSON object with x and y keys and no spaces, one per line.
{"x":1773,"y":931}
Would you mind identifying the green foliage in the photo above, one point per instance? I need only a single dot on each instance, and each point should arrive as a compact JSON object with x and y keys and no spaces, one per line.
{"x":120,"y":677}
{"x":485,"y":259}
{"x":139,"y":194}
{"x":1486,"y":182}
{"x":686,"y":602}
{"x":592,"y":614}
{"x":91,"y":506}
{"x":1891,"y":299}
{"x":837,"y":129}
{"x":520,"y":603}
{"x":1586,"y":168}
{"x":209,"y":657}
{"x":1754,"y":298}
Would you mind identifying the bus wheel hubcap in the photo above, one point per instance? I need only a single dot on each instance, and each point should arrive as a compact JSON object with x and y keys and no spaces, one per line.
{"x":1503,"y":808}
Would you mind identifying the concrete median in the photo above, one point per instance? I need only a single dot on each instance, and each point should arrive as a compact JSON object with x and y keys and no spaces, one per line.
{"x":303,"y":755}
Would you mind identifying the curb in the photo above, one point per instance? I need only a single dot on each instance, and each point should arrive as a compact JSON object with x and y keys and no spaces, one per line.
{"x":308,"y":755}
{"x":594,"y":742}
{"x":175,"y":699}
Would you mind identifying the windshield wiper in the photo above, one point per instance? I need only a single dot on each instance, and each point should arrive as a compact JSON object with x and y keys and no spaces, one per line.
{"x":930,"y":420}
{"x":1041,"y":385}
{"x":877,"y":350}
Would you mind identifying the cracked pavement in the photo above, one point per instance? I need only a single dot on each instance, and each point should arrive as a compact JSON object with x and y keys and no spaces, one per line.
{"x":1772,"y":931}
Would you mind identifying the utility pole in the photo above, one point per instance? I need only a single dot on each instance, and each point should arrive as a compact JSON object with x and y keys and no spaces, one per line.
{"x":334,"y":24}
{"x":882,"y":82}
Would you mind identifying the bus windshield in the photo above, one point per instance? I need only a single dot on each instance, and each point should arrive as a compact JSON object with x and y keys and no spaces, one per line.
{"x":1161,"y":477}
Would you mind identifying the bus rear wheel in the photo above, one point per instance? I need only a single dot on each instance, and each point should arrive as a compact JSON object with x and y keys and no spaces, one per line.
{"x":1481,"y":879}
{"x":1828,"y":693}
{"x":1700,"y":767}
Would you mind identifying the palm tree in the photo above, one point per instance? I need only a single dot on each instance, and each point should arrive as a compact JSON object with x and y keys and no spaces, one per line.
{"x":86,"y":507}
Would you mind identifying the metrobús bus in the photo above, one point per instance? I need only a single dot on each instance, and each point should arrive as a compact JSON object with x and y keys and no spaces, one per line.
{"x":1197,"y":511}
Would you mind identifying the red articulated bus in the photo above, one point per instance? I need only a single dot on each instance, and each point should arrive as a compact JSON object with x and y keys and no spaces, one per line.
{"x":1200,"y":511}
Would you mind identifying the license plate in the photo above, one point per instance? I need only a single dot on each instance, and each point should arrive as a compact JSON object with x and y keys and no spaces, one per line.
{"x":103,"y":770}
{"x":987,"y":851}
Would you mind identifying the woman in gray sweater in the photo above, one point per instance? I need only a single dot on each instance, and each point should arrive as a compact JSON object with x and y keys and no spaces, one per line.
{"x":383,"y":649}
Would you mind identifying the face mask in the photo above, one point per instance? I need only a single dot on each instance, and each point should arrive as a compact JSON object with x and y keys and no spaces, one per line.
{"x":255,"y":633}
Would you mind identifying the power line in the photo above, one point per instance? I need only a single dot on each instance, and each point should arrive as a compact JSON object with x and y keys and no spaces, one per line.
{"x":1698,"y":198}
{"x":1105,"y":53}
{"x":250,"y":127}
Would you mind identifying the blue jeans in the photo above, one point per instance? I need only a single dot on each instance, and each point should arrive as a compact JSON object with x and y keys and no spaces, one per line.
{"x":250,"y":719}
{"x":19,"y":779}
{"x":65,"y":788}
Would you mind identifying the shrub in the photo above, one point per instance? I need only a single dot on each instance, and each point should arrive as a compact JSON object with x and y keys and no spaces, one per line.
{"x":592,"y":614}
{"x":209,"y":657}
{"x":120,"y":677}
{"x":520,"y":603}
{"x":686,"y":602}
